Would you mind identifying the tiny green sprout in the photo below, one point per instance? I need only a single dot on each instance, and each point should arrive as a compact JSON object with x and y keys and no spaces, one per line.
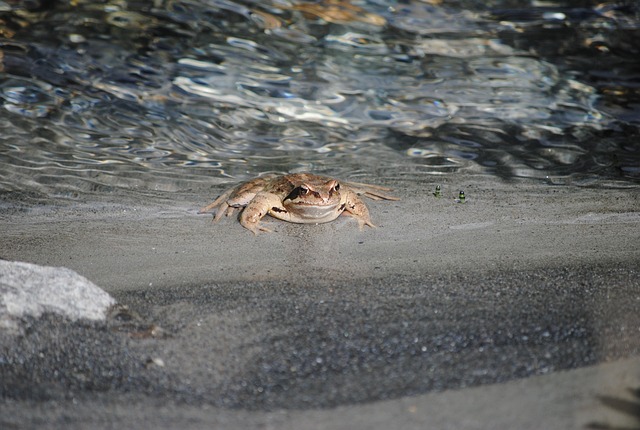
{"x":461,"y":197}
{"x":438,"y":191}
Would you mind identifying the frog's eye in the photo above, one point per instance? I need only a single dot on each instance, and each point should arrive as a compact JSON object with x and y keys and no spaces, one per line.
{"x":300,"y":191}
{"x":334,"y":186}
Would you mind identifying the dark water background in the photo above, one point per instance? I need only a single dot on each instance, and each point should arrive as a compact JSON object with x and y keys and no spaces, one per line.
{"x":171,"y":95}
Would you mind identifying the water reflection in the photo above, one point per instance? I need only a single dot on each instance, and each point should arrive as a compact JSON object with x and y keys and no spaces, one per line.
{"x":172,"y":94}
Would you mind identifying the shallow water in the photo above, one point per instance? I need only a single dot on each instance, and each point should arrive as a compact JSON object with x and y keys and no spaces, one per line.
{"x":172,"y":95}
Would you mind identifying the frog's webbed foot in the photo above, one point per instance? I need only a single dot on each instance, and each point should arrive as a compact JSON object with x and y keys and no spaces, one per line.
{"x":256,"y":228}
{"x":355,"y":208}
{"x":361,"y":221}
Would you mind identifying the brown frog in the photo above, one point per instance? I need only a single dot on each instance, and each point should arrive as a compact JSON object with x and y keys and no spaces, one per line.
{"x":297,"y":197}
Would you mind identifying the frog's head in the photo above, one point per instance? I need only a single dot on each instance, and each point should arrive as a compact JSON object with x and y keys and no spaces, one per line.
{"x":315,"y":201}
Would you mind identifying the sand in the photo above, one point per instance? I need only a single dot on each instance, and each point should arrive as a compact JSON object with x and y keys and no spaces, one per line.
{"x":517,"y":309}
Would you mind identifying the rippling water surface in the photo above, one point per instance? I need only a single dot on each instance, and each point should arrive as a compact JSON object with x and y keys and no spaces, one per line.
{"x":168,"y":95}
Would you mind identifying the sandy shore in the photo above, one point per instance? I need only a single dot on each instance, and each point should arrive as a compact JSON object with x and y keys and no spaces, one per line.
{"x":477,"y":315}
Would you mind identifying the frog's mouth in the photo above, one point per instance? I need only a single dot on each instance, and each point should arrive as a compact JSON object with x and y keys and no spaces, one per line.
{"x":313,"y":213}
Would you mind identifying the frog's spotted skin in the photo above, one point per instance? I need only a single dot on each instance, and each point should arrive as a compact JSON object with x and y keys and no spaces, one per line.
{"x":298,"y":197}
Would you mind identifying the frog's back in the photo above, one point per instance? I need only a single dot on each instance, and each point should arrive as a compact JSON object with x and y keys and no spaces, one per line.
{"x":282,"y":185}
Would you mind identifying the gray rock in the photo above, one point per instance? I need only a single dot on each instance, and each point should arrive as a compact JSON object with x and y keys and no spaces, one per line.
{"x":29,"y":290}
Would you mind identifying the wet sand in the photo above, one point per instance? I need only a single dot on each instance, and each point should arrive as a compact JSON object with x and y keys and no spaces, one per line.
{"x":476,"y":315}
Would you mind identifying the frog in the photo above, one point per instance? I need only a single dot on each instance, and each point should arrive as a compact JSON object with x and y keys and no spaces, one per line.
{"x":303,"y":198}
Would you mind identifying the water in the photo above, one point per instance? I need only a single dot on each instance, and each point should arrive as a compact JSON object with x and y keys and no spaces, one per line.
{"x":171,"y":95}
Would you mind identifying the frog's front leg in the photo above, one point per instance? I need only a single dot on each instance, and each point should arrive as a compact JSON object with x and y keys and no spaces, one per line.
{"x":260,"y":206}
{"x":358,"y":210}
